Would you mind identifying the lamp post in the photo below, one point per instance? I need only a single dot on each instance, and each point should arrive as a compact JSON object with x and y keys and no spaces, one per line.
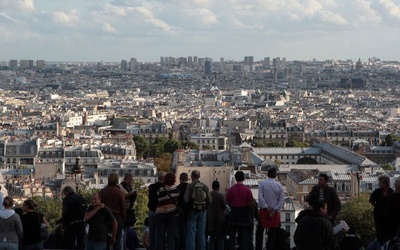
{"x":77,"y":169}
{"x":359,"y":178}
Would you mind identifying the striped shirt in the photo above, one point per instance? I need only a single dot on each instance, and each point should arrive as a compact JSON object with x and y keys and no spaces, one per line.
{"x":167,"y":200}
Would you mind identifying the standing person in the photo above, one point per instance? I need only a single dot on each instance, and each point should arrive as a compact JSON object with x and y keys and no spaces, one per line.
{"x":100,"y":219}
{"x":72,"y":218}
{"x":378,"y":199}
{"x":393,"y":211}
{"x":183,"y":183}
{"x":130,"y":198}
{"x":315,"y":232}
{"x":270,"y":197}
{"x":146,"y":234}
{"x":1,"y":199}
{"x":31,"y":223}
{"x":167,"y":214}
{"x":327,"y":194}
{"x":10,"y":226}
{"x":216,"y":218}
{"x":113,"y":197}
{"x":240,"y":199}
{"x":152,"y":205}
{"x":197,"y":196}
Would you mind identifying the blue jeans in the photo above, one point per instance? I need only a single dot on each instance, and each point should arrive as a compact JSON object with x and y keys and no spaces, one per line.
{"x":196,"y":230}
{"x":95,"y":245}
{"x":4,"y":245}
{"x":166,"y":223}
{"x":152,"y":230}
{"x":37,"y":246}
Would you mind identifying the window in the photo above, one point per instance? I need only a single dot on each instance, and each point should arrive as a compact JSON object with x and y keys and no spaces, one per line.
{"x":287,"y":228}
{"x":339,"y":187}
{"x":287,"y":217}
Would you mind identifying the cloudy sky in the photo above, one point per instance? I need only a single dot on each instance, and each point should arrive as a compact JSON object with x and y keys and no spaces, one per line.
{"x":95,"y":30}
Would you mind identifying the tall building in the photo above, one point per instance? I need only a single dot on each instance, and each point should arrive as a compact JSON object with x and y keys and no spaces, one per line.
{"x":267,"y":61}
{"x":40,"y":64}
{"x":195,"y":60}
{"x":190,"y":61}
{"x":207,"y":68}
{"x":162,"y":60}
{"x":13,"y":65}
{"x":124,"y":65}
{"x":283,"y":64}
{"x":26,"y":64}
{"x":133,"y":64}
{"x":248,"y":60}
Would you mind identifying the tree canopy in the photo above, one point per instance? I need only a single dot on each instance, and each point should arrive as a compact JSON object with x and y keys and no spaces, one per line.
{"x":142,"y":146}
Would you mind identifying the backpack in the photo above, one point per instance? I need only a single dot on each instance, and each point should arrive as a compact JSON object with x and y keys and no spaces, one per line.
{"x":198,"y":197}
{"x":394,"y":244}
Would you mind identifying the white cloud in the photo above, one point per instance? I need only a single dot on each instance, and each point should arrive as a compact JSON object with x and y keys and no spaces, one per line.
{"x":17,"y":5}
{"x":109,"y":28}
{"x":332,"y":18}
{"x":390,"y":8}
{"x":69,"y":19}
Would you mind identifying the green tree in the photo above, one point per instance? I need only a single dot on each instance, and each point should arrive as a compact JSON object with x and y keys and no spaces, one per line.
{"x":207,"y":147}
{"x":171,"y":145}
{"x":390,"y":139}
{"x":297,"y":144}
{"x":141,"y":209}
{"x":388,"y":166}
{"x":158,"y":146}
{"x":258,"y":144}
{"x":163,"y":162}
{"x":189,"y":144}
{"x":307,"y":160}
{"x":50,"y":207}
{"x":273,"y":144}
{"x":142,"y":146}
{"x":357,"y":212}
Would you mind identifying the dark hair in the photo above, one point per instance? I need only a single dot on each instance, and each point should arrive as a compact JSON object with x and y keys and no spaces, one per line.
{"x":325,"y":176}
{"x":169,"y":179}
{"x":317,"y":205}
{"x":312,"y":198}
{"x":113,"y":179}
{"x":215,"y":185}
{"x":8,"y":201}
{"x":195,"y":174}
{"x":272,"y":172}
{"x":183,"y":177}
{"x":128,"y":175}
{"x":239,"y":176}
{"x":67,"y":190}
{"x":30,"y":204}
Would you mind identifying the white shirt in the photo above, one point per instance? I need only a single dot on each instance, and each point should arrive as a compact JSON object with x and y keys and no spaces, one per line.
{"x":270,"y":194}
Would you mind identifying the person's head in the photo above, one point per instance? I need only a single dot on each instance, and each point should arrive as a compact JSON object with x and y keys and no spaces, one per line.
{"x":96,"y":199}
{"x":113,"y":179}
{"x":146,"y":221}
{"x":397,"y":185}
{"x":8,"y":202}
{"x":323,"y":180}
{"x":128,"y":178}
{"x":195,"y":175}
{"x":68,"y":190}
{"x":311,"y":199}
{"x":215,"y":185}
{"x":320,"y":206}
{"x":161,"y":176}
{"x":239,"y":176}
{"x":169,"y":179}
{"x":29,"y":205}
{"x":384,"y":181}
{"x":183,"y":178}
{"x":272,"y":173}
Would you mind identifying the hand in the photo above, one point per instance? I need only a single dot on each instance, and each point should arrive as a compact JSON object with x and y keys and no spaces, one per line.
{"x":113,"y":240}
{"x":102,"y":205}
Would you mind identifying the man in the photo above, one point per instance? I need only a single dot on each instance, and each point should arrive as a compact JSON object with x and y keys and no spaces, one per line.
{"x":183,"y":183}
{"x":315,"y":232}
{"x":99,"y":218}
{"x":240,"y":199}
{"x":270,"y":197}
{"x":152,"y":205}
{"x":216,"y":218}
{"x":197,"y":196}
{"x":114,"y":198}
{"x":72,"y":218}
{"x":327,"y":194}
{"x":130,"y":198}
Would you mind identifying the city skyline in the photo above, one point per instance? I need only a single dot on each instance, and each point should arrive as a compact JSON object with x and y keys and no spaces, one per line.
{"x":104,"y":30}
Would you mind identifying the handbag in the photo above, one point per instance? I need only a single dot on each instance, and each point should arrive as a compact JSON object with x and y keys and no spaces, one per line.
{"x":270,"y":220}
{"x":43,"y":233}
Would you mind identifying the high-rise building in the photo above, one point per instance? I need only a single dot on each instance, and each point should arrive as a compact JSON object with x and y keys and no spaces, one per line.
{"x":267,"y":61}
{"x":124,"y":65}
{"x":195,"y":61}
{"x":13,"y":65}
{"x":133,"y":64}
{"x":283,"y":64}
{"x":248,"y":60}
{"x":162,"y":60}
{"x":26,"y":64}
{"x":190,"y":61}
{"x":207,"y":68}
{"x":40,"y":64}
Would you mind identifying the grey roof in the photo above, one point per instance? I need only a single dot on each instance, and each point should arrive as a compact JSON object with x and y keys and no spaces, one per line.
{"x":287,"y":151}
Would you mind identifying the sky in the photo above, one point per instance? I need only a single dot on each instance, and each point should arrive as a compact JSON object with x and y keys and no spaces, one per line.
{"x":110,"y":31}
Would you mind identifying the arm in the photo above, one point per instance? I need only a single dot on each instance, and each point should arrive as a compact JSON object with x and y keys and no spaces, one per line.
{"x":89,"y":214}
{"x":18,"y":227}
{"x":114,"y":230}
{"x":122,"y":206}
{"x":336,"y":204}
{"x":45,"y":221}
{"x":146,"y":240}
{"x":281,"y":199}
{"x":261,"y":201}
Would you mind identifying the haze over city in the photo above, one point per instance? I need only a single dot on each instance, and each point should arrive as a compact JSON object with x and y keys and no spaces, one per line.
{"x":105,"y":30}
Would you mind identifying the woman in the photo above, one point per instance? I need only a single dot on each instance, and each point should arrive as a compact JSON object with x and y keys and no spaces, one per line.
{"x":10,"y":226}
{"x":378,"y":199}
{"x":31,"y":222}
{"x":167,"y":213}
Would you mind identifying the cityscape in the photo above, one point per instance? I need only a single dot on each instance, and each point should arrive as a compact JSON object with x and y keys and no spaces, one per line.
{"x":74,"y":123}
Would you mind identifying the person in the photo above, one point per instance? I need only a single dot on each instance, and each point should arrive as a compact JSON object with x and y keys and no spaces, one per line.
{"x":10,"y":226}
{"x":100,"y":219}
{"x":308,"y":210}
{"x":113,"y":198}
{"x":31,"y":223}
{"x":392,"y":211}
{"x":216,"y":218}
{"x":351,"y":241}
{"x":315,"y":232}
{"x":132,"y":239}
{"x":146,"y":233}
{"x":72,"y":219}
{"x":197,"y":195}
{"x":167,"y":214}
{"x":1,"y":199}
{"x":130,"y":198}
{"x":183,"y":183}
{"x":271,"y":197}
{"x":327,"y":194}
{"x":152,"y":205}
{"x":378,"y":199}
{"x":241,"y":202}
{"x":55,"y":238}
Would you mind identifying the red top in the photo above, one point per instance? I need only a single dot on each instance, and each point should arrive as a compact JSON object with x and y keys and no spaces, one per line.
{"x":239,"y":196}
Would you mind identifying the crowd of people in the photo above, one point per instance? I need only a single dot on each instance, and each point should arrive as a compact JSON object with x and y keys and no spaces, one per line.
{"x":190,"y":216}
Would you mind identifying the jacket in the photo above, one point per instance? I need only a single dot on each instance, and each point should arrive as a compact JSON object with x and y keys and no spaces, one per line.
{"x":10,"y":226}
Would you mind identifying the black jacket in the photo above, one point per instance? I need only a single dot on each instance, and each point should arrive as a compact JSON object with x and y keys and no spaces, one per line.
{"x":331,"y":198}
